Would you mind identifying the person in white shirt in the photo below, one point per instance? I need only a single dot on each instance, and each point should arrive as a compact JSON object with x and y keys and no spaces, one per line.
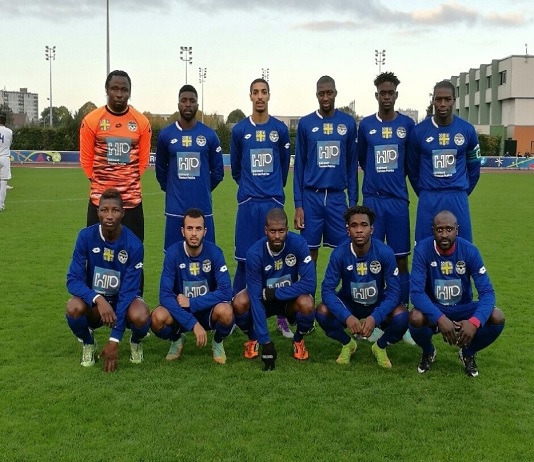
{"x":6,"y":136}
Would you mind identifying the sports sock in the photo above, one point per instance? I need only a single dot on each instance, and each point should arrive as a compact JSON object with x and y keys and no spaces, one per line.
{"x":240,"y":281}
{"x":244,"y":322}
{"x":395,"y":330}
{"x":333,"y":328}
{"x":139,"y":333}
{"x":484,"y":337}
{"x":423,"y":337}
{"x":222,"y":331}
{"x":171,"y":333}
{"x":304,"y":325}
{"x":80,"y":328}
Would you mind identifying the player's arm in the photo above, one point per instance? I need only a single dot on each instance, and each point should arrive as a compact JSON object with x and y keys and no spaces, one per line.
{"x":332,"y":278}
{"x":87,"y":146}
{"x":284,"y":143}
{"x":216,"y":162}
{"x":392,"y":291}
{"x":77,"y":273}
{"x":473,"y":161}
{"x":145,"y":138}
{"x":255,"y":287}
{"x":362,"y":147}
{"x":236,"y":153}
{"x":483,"y":285}
{"x":307,"y":281}
{"x":162,"y":160}
{"x":352,"y":165}
{"x":413,"y":160}
{"x":299,"y":166}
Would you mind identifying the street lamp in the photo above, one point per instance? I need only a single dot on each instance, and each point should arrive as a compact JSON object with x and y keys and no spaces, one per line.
{"x":107,"y":38}
{"x":186,"y":54}
{"x":265,"y":74}
{"x":202,"y":73}
{"x":50,"y":55}
{"x":380,"y":59}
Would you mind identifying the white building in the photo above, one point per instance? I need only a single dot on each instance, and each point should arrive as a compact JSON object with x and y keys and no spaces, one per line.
{"x":22,"y":102}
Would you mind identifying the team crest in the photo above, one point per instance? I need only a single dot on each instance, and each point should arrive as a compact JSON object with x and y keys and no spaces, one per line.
{"x":342,"y":129}
{"x":387,"y":133}
{"x":278,"y":264}
{"x":446,"y":267}
{"x":206,"y":266}
{"x":401,"y":132}
{"x":132,"y":126}
{"x":187,"y":141}
{"x":361,"y":269}
{"x":375,"y":267}
{"x":460,"y":267}
{"x":194,"y":268}
{"x":201,"y":140}
{"x":273,"y":136}
{"x":443,"y":139}
{"x":260,"y":135}
{"x":109,"y":254}
{"x":291,"y":260}
{"x":328,"y":129}
{"x":123,"y":256}
{"x":459,"y":139}
{"x":104,"y":125}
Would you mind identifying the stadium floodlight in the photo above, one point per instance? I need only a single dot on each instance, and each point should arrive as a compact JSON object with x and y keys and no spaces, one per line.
{"x":265,"y":74}
{"x":186,"y":55}
{"x":50,"y":55}
{"x":380,"y":59}
{"x":202,"y":73}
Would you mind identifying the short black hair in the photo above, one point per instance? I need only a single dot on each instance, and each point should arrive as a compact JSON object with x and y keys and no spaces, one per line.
{"x":117,"y":74}
{"x":276,"y":214}
{"x":194,"y":212}
{"x":255,"y":81}
{"x":445,"y":84}
{"x":387,"y":77}
{"x":189,"y":88}
{"x":3,"y":119}
{"x":113,"y":194}
{"x":326,"y":79}
{"x":359,"y":210}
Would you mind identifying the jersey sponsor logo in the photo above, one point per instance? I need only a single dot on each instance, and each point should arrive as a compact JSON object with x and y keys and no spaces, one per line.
{"x":106,"y":281}
{"x":365,"y":293}
{"x":308,"y":259}
{"x":386,"y":158}
{"x":444,"y":139}
{"x":459,"y":139}
{"x":187,"y":141}
{"x":96,"y":250}
{"x":188,"y":165}
{"x":282,"y":281}
{"x":223,"y":269}
{"x":260,"y":135}
{"x":278,"y":264}
{"x":132,"y":125}
{"x":444,"y":162}
{"x":460,"y":267}
{"x":206,"y":266}
{"x":118,"y":150}
{"x":361,"y":268}
{"x":446,"y":267}
{"x":387,"y":132}
{"x":174,"y":141}
{"x":328,"y":128}
{"x":315,"y":129}
{"x":123,"y":256}
{"x":194,"y":268}
{"x":139,"y":265}
{"x":261,"y":161}
{"x":375,"y":267}
{"x":401,"y":132}
{"x":109,"y":254}
{"x":328,"y":154}
{"x":482,"y":270}
{"x":448,"y":291}
{"x":194,"y":289}
{"x":291,"y":260}
{"x":342,"y":129}
{"x":104,"y":125}
{"x":273,"y":136}
{"x":201,"y":140}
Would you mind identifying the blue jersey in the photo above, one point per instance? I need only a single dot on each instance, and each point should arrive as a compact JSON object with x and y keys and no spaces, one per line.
{"x":442,"y":282}
{"x":382,"y":155}
{"x":189,"y":165}
{"x":325,"y":155}
{"x":371,"y":281}
{"x":443,"y":158}
{"x":259,"y":154}
{"x":291,"y":272}
{"x":110,"y":269}
{"x":204,"y":279}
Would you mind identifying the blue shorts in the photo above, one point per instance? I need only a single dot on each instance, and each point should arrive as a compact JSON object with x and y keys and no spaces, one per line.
{"x":250,"y":224}
{"x":458,"y":312}
{"x":96,"y":325}
{"x":173,"y":229}
{"x":357,"y":309}
{"x":203,"y":317}
{"x":323,"y":217}
{"x":392,"y":224}
{"x":432,"y":202}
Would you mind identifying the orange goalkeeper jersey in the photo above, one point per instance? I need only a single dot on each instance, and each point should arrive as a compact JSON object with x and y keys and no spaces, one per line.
{"x":114,"y":152}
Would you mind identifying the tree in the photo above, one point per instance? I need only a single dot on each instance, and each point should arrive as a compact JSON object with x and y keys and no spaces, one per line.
{"x":235,"y":116}
{"x":6,"y":110}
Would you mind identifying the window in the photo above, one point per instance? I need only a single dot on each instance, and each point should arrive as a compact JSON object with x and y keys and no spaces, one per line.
{"x":466,"y":88}
{"x":488,"y":81}
{"x":502,"y":77}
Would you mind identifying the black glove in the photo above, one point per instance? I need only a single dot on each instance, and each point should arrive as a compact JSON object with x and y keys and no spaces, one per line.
{"x":268,"y":356}
{"x":267,"y":294}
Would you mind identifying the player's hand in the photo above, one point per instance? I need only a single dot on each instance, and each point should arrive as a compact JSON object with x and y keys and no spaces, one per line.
{"x":268,"y":356}
{"x":448,"y":330}
{"x":298,"y":222}
{"x":110,"y":355}
{"x":465,"y":332}
{"x":200,"y":334}
{"x":354,"y":325}
{"x":267,"y":294}
{"x":183,"y":301}
{"x":368,"y":325}
{"x":108,"y":316}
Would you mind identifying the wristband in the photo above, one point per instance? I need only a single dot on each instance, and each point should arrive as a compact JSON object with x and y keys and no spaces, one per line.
{"x":475,"y":321}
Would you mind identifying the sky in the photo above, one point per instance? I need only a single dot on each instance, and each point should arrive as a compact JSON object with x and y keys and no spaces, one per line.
{"x":298,"y":41}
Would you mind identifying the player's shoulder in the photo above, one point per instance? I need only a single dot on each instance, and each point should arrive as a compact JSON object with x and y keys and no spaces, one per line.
{"x":463,"y":124}
{"x":424,"y":245}
{"x":211,"y":248}
{"x":380,"y":246}
{"x":95,"y":115}
{"x":369,"y":119}
{"x":280,"y":126}
{"x":133,"y":241}
{"x":257,"y":248}
{"x":137,"y":114}
{"x":403,"y":119}
{"x":90,"y":232}
{"x":293,"y":239}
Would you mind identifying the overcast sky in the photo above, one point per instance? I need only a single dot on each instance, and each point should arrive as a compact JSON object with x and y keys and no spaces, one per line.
{"x":297,"y":40}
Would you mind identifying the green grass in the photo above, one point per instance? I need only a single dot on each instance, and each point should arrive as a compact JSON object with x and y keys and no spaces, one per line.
{"x":194,"y":410}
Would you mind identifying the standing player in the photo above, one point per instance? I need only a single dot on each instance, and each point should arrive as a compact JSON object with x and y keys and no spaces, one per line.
{"x":370,"y":290}
{"x":325,"y":166}
{"x":281,"y":280}
{"x":382,"y":139}
{"x":6,"y":136}
{"x":104,"y":280}
{"x":189,"y":166}
{"x":259,"y":155}
{"x":443,"y":164}
{"x":115,"y":150}
{"x":442,"y":269}
{"x":195,"y":291}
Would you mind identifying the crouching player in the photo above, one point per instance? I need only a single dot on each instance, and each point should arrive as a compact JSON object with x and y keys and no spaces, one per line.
{"x":195,"y":291}
{"x":281,"y":280}
{"x":442,"y":296}
{"x":369,"y":294}
{"x":104,"y":280}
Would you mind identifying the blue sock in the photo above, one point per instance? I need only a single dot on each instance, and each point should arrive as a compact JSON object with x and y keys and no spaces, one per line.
{"x":171,"y":333}
{"x":240,"y":281}
{"x":139,"y":333}
{"x":404,"y":279}
{"x":222,"y":331}
{"x":244,"y":322}
{"x":423,"y":337}
{"x":484,"y":337}
{"x":395,"y":330}
{"x":333,"y":328}
{"x":80,"y":328}
{"x":304,"y":325}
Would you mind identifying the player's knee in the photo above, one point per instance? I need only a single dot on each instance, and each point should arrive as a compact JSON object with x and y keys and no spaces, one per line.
{"x":322,"y":309}
{"x":223,"y":313}
{"x":241,"y":303}
{"x":138,"y":313}
{"x":305,"y":304}
{"x":496,"y":317}
{"x":158,"y":318}
{"x":76,"y":307}
{"x":417,"y":319}
{"x":399,"y":309}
